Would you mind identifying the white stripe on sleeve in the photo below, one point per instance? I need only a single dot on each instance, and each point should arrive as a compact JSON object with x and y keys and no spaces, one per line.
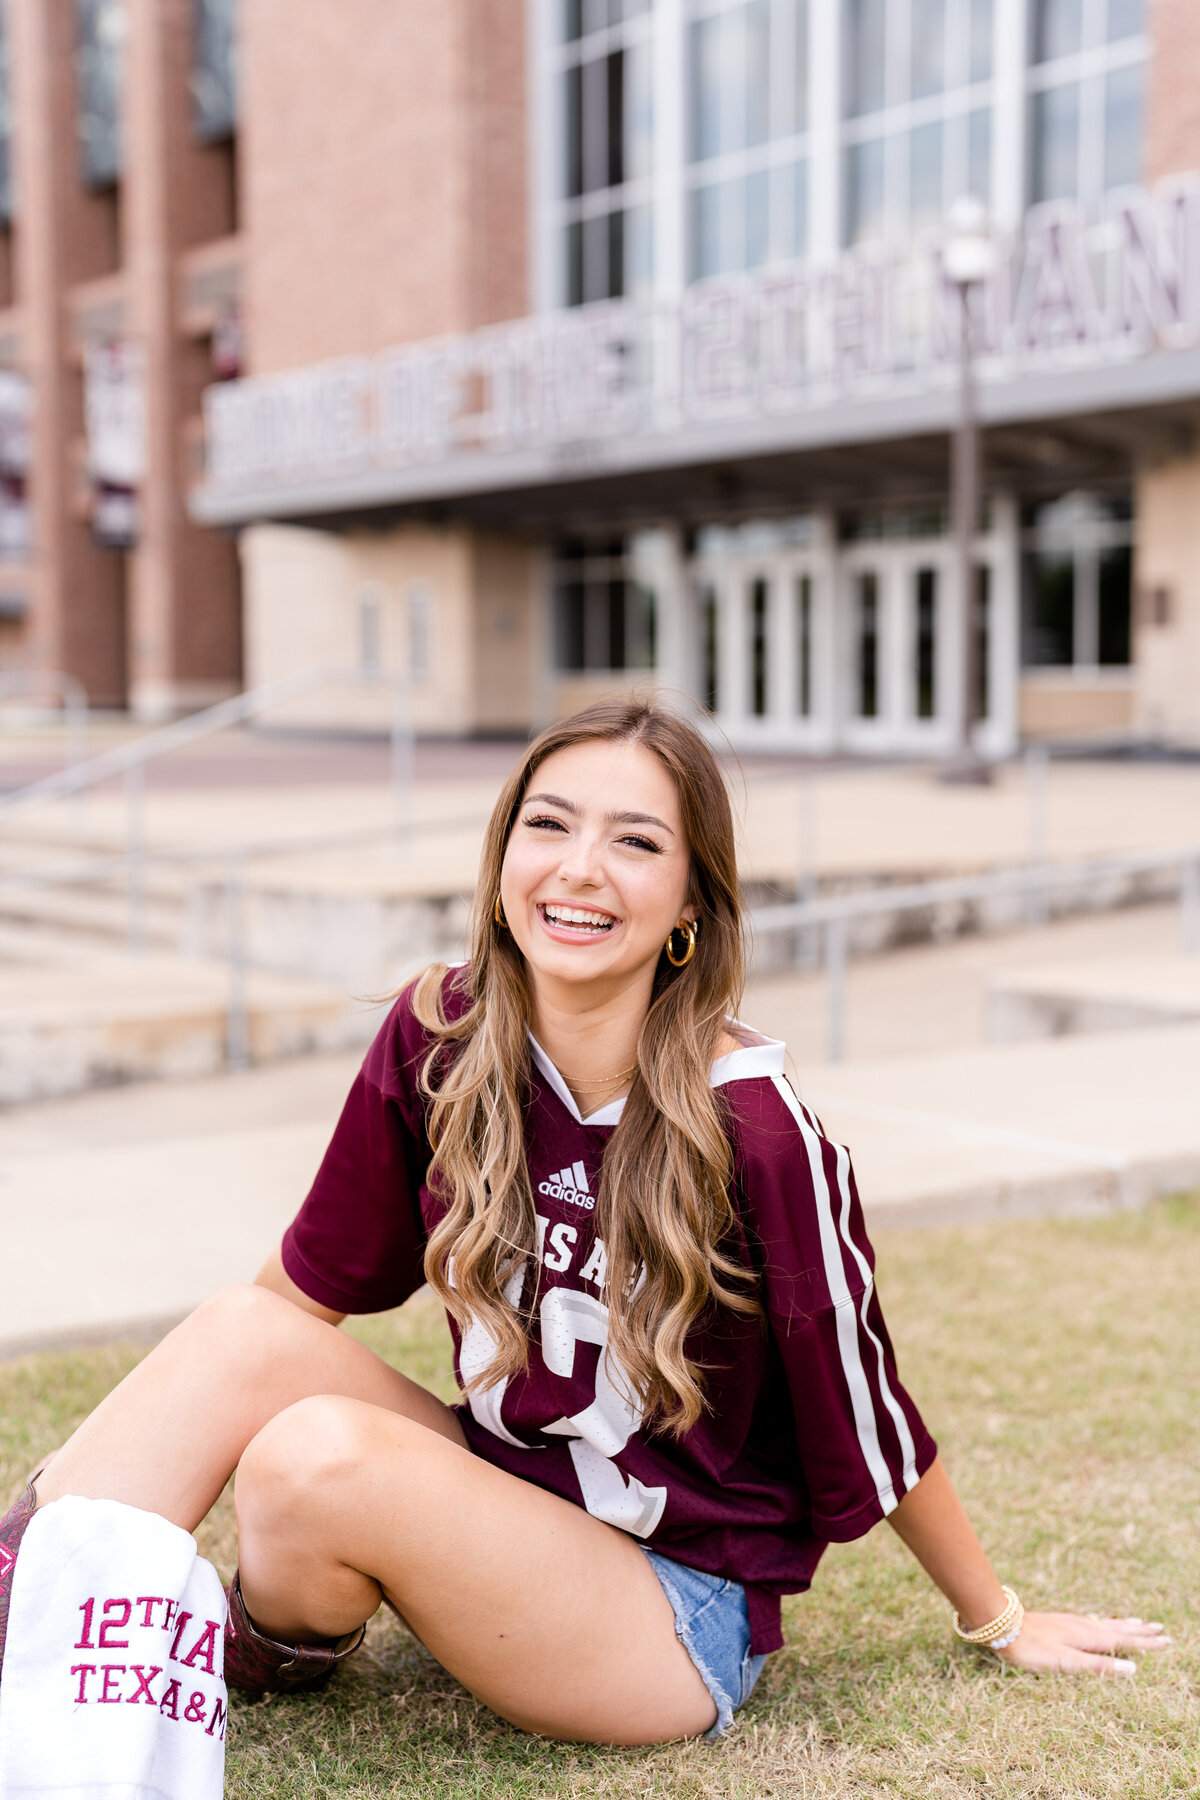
{"x":847,"y":1318}
{"x":908,"y":1449}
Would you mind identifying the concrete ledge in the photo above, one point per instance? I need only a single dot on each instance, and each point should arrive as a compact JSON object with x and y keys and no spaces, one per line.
{"x":1079,"y":1125}
{"x":1085,"y":997}
{"x":73,"y":1018}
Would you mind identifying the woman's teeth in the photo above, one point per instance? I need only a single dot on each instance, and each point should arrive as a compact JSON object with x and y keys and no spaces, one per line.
{"x":577,"y":918}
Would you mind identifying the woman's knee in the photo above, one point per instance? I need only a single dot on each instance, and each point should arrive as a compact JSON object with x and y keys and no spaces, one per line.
{"x":304,"y":1458}
{"x":243,"y":1320}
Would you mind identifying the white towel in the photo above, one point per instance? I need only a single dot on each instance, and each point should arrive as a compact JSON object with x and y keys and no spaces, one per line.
{"x":112,"y":1687}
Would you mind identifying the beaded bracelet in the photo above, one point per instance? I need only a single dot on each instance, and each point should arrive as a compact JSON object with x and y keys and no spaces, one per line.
{"x":999,"y":1632}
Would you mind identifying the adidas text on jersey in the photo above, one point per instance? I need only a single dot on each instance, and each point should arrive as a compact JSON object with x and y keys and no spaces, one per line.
{"x":569,"y":1184}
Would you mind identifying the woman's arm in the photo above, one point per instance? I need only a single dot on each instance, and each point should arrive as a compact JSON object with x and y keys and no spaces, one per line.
{"x":931,"y":1521}
{"x":273,"y":1275}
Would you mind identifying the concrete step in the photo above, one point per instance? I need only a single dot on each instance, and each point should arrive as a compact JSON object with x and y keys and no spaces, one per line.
{"x":1089,"y":1124}
{"x":1114,"y":995}
{"x":95,"y":912}
{"x":73,"y":1017}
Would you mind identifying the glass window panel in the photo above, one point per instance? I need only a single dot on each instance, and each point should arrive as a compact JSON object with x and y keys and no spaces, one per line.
{"x":718,"y":227}
{"x":983,"y":641}
{"x":804,"y":647}
{"x":639,"y":113}
{"x":615,"y":273}
{"x":595,"y":625}
{"x":928,"y":47}
{"x":214,"y":70}
{"x":1123,"y":125}
{"x":572,"y":18}
{"x":1049,"y":610}
{"x":595,"y":258}
{"x":865,"y":217}
{"x":926,"y":202}
{"x":614,"y":117}
{"x":707,"y":87}
{"x":757,"y":219}
{"x":758,"y":649}
{"x":979,"y":58}
{"x":1116,"y":598}
{"x":1126,"y":18}
{"x":867,"y":697}
{"x":789,"y":201}
{"x":99,"y":61}
{"x":796,"y":115}
{"x":979,"y":153}
{"x":573,"y":124}
{"x":568,"y":626}
{"x":731,"y":204}
{"x":639,"y":250}
{"x":758,"y":71}
{"x":1055,"y":166}
{"x":704,"y":231}
{"x":613,"y":609}
{"x":865,"y":59}
{"x":595,"y":15}
{"x":1057,"y":28}
{"x":709,"y":616}
{"x":925,"y":647}
{"x":594,"y":125}
{"x":641,"y":627}
{"x":574,"y":254}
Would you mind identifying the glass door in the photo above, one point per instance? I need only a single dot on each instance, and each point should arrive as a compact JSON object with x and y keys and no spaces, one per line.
{"x":761,"y":643}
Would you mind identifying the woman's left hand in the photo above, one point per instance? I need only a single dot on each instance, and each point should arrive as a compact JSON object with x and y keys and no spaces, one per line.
{"x":1070,"y":1644}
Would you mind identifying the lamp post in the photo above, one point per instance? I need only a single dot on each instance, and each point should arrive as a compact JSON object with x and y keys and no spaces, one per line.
{"x":969,"y":259}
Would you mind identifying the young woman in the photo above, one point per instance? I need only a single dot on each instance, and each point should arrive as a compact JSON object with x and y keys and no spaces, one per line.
{"x":678,"y":1386}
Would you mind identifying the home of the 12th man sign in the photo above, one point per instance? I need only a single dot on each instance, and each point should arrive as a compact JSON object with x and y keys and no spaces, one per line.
{"x":732,"y":362}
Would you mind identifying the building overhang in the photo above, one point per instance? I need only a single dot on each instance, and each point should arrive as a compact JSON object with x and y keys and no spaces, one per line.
{"x":786,"y":389}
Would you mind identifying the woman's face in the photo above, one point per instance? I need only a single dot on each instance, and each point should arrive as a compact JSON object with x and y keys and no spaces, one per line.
{"x":596,"y":869}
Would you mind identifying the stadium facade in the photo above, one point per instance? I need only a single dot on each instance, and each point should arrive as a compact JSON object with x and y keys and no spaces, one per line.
{"x":535,"y":348}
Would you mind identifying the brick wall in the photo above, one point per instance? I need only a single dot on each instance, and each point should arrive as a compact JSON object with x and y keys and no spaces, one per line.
{"x":1173,"y":97}
{"x":383,"y":172}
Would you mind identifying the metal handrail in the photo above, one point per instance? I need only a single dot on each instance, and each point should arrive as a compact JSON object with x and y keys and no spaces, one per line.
{"x":129,"y":761}
{"x":66,"y":688}
{"x":877,"y":901}
{"x":835,"y":914}
{"x":123,"y":759}
{"x":113,"y":863}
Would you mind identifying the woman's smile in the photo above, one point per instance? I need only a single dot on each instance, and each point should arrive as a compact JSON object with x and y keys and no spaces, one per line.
{"x":575,"y":924}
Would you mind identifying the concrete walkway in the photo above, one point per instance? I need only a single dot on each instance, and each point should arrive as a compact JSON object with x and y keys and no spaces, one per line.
{"x":120,"y":1211}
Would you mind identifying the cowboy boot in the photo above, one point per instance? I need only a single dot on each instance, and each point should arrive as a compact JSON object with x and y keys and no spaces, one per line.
{"x":12,"y":1530}
{"x":257,"y":1664}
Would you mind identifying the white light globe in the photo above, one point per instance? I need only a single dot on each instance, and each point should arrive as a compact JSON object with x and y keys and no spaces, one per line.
{"x":970,"y":253}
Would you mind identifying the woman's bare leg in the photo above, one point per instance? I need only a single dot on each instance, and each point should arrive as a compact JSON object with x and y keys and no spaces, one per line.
{"x":554,"y":1620}
{"x":170,"y":1435}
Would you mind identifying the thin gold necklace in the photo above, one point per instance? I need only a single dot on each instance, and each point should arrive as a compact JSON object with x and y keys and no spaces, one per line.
{"x":604,"y":1081}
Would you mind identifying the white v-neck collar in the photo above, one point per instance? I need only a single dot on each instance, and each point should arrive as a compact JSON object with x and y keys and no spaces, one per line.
{"x":764,"y":1056}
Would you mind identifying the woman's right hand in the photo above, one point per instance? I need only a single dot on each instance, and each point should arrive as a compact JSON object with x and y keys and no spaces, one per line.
{"x":1069,"y":1643}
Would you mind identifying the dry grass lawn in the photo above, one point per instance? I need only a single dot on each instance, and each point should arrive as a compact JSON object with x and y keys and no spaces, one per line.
{"x":1057,"y":1362}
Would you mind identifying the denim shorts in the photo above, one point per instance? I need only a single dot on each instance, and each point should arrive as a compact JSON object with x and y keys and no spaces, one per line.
{"x":712,"y":1624}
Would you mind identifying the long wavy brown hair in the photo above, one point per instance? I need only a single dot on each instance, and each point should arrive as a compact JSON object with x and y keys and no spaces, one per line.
{"x":663,"y":1210}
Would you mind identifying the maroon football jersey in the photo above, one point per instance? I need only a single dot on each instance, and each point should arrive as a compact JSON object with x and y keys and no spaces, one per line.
{"x":807,"y":1437}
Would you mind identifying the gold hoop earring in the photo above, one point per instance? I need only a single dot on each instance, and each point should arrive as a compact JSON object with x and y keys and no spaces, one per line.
{"x":687,"y":928}
{"x":498,"y":914}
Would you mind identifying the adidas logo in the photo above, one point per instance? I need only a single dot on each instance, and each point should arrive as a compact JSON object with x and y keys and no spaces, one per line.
{"x":569,"y":1184}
